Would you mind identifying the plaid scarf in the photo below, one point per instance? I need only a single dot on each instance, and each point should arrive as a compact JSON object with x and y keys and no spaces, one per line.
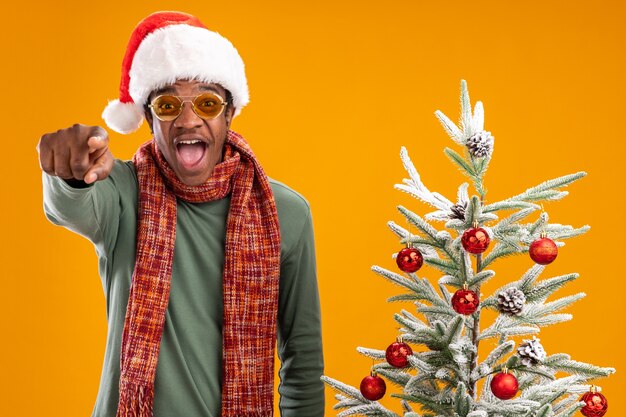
{"x":250,"y":279}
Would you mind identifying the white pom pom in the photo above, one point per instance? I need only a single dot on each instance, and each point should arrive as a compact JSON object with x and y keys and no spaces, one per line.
{"x":123,"y":118}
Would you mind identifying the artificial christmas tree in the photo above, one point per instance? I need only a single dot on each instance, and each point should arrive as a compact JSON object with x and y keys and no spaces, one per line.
{"x":443,"y":373}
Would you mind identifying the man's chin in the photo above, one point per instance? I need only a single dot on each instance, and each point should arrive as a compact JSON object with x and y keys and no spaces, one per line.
{"x":193,"y":179}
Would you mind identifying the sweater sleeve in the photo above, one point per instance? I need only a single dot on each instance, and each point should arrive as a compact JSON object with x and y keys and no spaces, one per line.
{"x":92,"y":212}
{"x":299,"y":331}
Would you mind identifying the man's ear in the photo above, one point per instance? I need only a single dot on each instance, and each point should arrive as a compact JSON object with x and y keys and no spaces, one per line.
{"x":230,"y":111}
{"x":148,"y":114}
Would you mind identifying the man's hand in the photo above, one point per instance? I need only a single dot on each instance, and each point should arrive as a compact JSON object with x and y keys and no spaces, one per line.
{"x":76,"y":153}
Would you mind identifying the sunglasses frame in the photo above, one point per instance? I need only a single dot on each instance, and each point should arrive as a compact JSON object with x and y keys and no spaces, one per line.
{"x":190,"y":99}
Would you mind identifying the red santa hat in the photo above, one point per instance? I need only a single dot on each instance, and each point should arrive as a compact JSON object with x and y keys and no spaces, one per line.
{"x":165,"y":47}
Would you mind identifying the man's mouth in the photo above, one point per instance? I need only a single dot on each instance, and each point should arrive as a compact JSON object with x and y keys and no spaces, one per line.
{"x":190,"y":152}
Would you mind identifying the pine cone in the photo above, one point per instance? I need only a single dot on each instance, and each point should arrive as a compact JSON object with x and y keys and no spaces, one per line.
{"x":458,"y":211}
{"x":480,"y":144}
{"x":531,"y":352}
{"x":511,"y":301}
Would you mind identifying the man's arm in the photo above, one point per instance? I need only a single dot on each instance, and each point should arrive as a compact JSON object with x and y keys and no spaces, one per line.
{"x":91,"y":211}
{"x":299,"y":333}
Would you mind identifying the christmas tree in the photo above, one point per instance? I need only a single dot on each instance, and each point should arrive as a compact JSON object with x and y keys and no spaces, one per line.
{"x":518,"y":377}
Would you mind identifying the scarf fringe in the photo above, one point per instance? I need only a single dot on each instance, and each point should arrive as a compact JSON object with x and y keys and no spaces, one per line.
{"x":136,"y":401}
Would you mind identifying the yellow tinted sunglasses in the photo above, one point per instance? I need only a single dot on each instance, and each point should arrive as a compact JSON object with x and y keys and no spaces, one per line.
{"x":206,"y":105}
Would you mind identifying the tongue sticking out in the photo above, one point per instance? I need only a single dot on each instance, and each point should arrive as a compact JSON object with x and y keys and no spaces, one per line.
{"x":191,"y":154}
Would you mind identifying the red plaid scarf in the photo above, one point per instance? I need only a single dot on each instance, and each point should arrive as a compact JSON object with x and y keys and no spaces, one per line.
{"x":250,"y":279}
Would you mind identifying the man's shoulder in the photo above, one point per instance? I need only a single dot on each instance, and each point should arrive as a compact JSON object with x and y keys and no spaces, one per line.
{"x":123,"y":171}
{"x":294,"y":213}
{"x":289,"y":199}
{"x":123,"y":178}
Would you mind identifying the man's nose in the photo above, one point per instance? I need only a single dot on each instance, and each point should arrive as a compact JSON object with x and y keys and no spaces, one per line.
{"x":188,"y":118}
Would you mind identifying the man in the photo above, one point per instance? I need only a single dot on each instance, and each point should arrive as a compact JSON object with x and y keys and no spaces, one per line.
{"x":204,"y":260}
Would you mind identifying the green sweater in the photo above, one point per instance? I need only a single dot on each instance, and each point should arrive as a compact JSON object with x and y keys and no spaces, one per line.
{"x":189,"y":370}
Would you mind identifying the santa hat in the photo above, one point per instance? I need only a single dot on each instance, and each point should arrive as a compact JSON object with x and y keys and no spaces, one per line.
{"x":165,"y":47}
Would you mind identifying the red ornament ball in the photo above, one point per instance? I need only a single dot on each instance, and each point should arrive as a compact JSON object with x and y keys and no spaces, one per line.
{"x":409,"y":259}
{"x":475,"y":240}
{"x":397,"y":354}
{"x":504,"y":385}
{"x":465,"y":301}
{"x":373,"y":387}
{"x":596,"y":404}
{"x":543,"y":251}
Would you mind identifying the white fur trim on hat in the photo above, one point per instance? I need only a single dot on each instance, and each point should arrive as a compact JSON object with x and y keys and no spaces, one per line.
{"x":123,"y":118}
{"x":186,"y":52}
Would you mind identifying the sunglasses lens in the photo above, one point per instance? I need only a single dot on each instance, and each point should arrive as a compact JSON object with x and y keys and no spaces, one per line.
{"x":166,"y":107}
{"x":208,"y":106}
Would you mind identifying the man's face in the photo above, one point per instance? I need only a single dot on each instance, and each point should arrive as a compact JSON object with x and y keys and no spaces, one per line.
{"x":192,"y":146}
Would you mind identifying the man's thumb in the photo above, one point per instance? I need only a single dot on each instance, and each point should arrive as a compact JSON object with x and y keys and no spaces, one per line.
{"x":96,"y":143}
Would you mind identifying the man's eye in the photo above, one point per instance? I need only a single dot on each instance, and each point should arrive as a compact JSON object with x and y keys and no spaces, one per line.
{"x":167,"y":106}
{"x":208,"y":103}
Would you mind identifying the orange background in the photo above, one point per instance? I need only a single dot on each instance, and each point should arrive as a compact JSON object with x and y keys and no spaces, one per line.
{"x":336,"y":89}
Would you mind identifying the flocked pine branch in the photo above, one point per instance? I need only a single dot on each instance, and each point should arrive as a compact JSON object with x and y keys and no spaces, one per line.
{"x":443,"y":371}
{"x":350,"y":398}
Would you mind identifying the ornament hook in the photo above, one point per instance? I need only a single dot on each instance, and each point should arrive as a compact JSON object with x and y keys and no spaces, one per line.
{"x":408,"y":232}
{"x":543,"y":233}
